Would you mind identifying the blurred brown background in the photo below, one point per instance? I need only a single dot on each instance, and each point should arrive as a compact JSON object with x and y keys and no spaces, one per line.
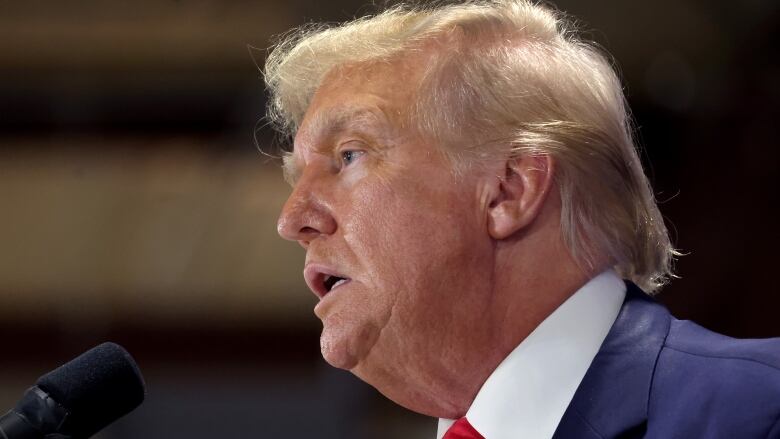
{"x":135,"y":206}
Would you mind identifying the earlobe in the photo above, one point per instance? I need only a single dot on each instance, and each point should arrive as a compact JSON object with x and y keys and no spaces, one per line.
{"x":501,"y":222}
{"x":519,"y":195}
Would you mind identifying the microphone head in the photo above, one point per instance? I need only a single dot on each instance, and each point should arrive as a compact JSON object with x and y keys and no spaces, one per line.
{"x":96,"y":388}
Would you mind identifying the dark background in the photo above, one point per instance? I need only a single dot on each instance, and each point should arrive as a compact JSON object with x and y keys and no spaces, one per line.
{"x":137,"y":208}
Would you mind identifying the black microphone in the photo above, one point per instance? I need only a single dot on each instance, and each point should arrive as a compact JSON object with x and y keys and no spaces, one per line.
{"x":79,"y":398}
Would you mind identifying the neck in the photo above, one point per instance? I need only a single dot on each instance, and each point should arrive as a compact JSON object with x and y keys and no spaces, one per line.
{"x":533,"y":275}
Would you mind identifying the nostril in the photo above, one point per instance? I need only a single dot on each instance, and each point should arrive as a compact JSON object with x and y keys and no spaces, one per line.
{"x":307,"y":230}
{"x":305,"y":235}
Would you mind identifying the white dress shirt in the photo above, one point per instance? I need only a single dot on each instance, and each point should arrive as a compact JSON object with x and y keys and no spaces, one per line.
{"x":527,"y":394}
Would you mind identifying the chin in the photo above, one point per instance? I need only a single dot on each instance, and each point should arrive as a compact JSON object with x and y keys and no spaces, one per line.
{"x":337,"y":350}
{"x":344,"y":343}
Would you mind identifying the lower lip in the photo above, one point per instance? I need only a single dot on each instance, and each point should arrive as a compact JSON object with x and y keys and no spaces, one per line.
{"x":324,"y":299}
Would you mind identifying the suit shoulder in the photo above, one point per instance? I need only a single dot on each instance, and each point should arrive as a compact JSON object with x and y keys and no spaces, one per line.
{"x":709,"y":385}
{"x":689,"y":338}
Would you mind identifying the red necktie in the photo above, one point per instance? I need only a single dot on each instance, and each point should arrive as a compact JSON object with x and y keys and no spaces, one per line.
{"x":461,"y":429}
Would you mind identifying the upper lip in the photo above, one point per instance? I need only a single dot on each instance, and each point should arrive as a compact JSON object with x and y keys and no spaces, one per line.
{"x":315,"y":276}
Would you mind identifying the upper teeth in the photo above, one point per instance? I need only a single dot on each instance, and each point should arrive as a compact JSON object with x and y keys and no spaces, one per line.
{"x":332,"y":282}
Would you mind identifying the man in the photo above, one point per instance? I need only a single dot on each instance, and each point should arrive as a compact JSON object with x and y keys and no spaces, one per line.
{"x":470,"y":200}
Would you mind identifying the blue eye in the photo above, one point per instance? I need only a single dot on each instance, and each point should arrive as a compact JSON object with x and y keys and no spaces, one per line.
{"x":348,"y":156}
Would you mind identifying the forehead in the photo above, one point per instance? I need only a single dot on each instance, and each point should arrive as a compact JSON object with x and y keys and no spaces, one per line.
{"x":371,"y":99}
{"x":362,"y":92}
{"x":343,"y":116}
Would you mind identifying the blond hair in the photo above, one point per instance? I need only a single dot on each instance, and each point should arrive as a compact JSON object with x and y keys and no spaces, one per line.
{"x":506,"y":76}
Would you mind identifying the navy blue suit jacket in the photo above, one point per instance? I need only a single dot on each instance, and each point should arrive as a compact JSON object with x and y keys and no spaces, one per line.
{"x":659,"y":377}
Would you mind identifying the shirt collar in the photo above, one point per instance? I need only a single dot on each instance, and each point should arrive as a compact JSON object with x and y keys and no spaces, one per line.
{"x":529,"y":391}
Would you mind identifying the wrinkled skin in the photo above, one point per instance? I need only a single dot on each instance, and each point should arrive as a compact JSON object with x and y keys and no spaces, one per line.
{"x":422,"y":318}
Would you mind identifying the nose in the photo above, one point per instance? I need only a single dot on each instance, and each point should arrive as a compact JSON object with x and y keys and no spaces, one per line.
{"x":305,"y":216}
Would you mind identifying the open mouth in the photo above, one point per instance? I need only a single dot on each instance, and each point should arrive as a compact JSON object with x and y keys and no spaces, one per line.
{"x":322,"y":280}
{"x":332,"y":282}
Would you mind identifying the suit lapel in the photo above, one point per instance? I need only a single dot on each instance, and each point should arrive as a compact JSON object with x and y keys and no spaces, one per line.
{"x":612,"y":398}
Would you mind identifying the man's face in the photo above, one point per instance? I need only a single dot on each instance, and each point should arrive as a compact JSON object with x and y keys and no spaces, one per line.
{"x":378,"y":208}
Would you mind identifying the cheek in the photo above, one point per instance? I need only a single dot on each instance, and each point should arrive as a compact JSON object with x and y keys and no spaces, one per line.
{"x":405,"y":233}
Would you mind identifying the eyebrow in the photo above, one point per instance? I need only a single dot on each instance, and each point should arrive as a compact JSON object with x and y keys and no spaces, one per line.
{"x":342,"y":119}
{"x":326,"y":125}
{"x":290,"y":169}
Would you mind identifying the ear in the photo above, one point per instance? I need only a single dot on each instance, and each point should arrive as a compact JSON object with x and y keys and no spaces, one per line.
{"x":520,"y":194}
